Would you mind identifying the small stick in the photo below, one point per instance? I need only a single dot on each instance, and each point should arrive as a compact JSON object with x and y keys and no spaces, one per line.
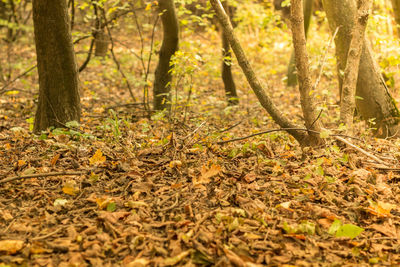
{"x":361,"y":150}
{"x":264,"y":132}
{"x":300,"y":129}
{"x":47,"y":235}
{"x":38,"y":175}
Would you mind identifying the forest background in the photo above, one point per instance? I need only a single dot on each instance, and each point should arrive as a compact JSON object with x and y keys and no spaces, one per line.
{"x":130,"y":186}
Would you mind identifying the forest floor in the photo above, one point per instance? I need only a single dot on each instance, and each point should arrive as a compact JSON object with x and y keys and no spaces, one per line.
{"x":125,"y":190}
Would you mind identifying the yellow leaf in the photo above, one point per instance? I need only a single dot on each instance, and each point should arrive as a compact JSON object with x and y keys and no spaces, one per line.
{"x":21,"y":162}
{"x":148,"y":7}
{"x":70,"y":188}
{"x":97,"y":158}
{"x":175,"y":164}
{"x":11,"y":246}
{"x":380,"y":209}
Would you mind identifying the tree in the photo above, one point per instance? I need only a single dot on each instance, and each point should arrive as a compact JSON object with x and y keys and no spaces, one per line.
{"x":374,"y":102}
{"x":227,"y":77}
{"x":162,"y":82}
{"x":348,"y":94}
{"x":303,"y":137}
{"x":396,"y":11}
{"x":58,"y":77}
{"x":307,"y":12}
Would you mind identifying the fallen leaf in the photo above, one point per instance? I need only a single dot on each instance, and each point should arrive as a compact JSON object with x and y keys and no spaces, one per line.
{"x":97,"y":158}
{"x":70,"y":188}
{"x":11,"y":246}
{"x":54,"y":160}
{"x":207,"y":173}
{"x":175,"y":260}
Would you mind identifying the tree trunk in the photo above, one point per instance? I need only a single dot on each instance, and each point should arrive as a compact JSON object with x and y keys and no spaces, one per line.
{"x":303,"y":71}
{"x":58,"y":78}
{"x":227,"y":77}
{"x":348,"y":94}
{"x":374,"y":101}
{"x":307,"y":11}
{"x":396,"y":11}
{"x":301,"y":136}
{"x":162,"y":82}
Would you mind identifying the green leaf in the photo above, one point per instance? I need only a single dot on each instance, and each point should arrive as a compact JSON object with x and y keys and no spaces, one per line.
{"x":111,"y":206}
{"x":307,"y":227}
{"x":325,"y":134}
{"x":334,"y":226}
{"x":72,"y":124}
{"x":349,"y":230}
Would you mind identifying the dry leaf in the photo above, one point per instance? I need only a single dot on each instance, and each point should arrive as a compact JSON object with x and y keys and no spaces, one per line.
{"x":54,"y":160}
{"x":97,"y":158}
{"x":70,"y":188}
{"x":11,"y":246}
{"x":207,"y":173}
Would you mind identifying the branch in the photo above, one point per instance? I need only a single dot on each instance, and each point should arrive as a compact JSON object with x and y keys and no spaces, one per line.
{"x":36,"y":175}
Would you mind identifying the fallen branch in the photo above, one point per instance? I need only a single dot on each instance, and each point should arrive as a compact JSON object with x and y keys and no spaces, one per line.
{"x":335,"y":136}
{"x":36,"y":175}
{"x":360,"y":150}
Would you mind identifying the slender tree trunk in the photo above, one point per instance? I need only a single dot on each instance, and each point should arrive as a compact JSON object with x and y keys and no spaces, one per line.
{"x":307,"y":11}
{"x":396,"y":11}
{"x":303,"y":70}
{"x":58,"y":78}
{"x":374,"y":101}
{"x":302,"y":137}
{"x":348,"y":100}
{"x":162,"y":82}
{"x":227,"y":77}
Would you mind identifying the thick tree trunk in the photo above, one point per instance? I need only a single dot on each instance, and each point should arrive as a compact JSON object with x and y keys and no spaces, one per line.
{"x":58,"y":78}
{"x":162,"y":82}
{"x":396,"y":11}
{"x":307,"y":11}
{"x":374,"y":101}
{"x":302,"y":137}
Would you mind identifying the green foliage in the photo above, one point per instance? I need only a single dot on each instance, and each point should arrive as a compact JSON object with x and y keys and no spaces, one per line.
{"x":344,"y":230}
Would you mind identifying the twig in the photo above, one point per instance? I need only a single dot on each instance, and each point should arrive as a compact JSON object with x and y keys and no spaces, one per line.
{"x":337,"y":137}
{"x":322,"y":62}
{"x":116,"y":60}
{"x":172,"y":206}
{"x":3,"y":89}
{"x":9,"y":179}
{"x":360,"y":150}
{"x":47,"y":235}
{"x":264,"y":132}
{"x":84,"y":64}
{"x":230,"y":127}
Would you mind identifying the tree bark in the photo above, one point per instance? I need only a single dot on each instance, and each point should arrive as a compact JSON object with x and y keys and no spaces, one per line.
{"x":396,"y":11}
{"x":303,"y":70}
{"x":374,"y":101}
{"x":227,"y":77}
{"x":301,"y":136}
{"x":162,"y":82}
{"x":307,"y":11}
{"x":58,"y":78}
{"x":348,"y":100}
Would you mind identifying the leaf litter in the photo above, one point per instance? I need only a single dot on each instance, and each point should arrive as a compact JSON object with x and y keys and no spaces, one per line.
{"x":162,"y":193}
